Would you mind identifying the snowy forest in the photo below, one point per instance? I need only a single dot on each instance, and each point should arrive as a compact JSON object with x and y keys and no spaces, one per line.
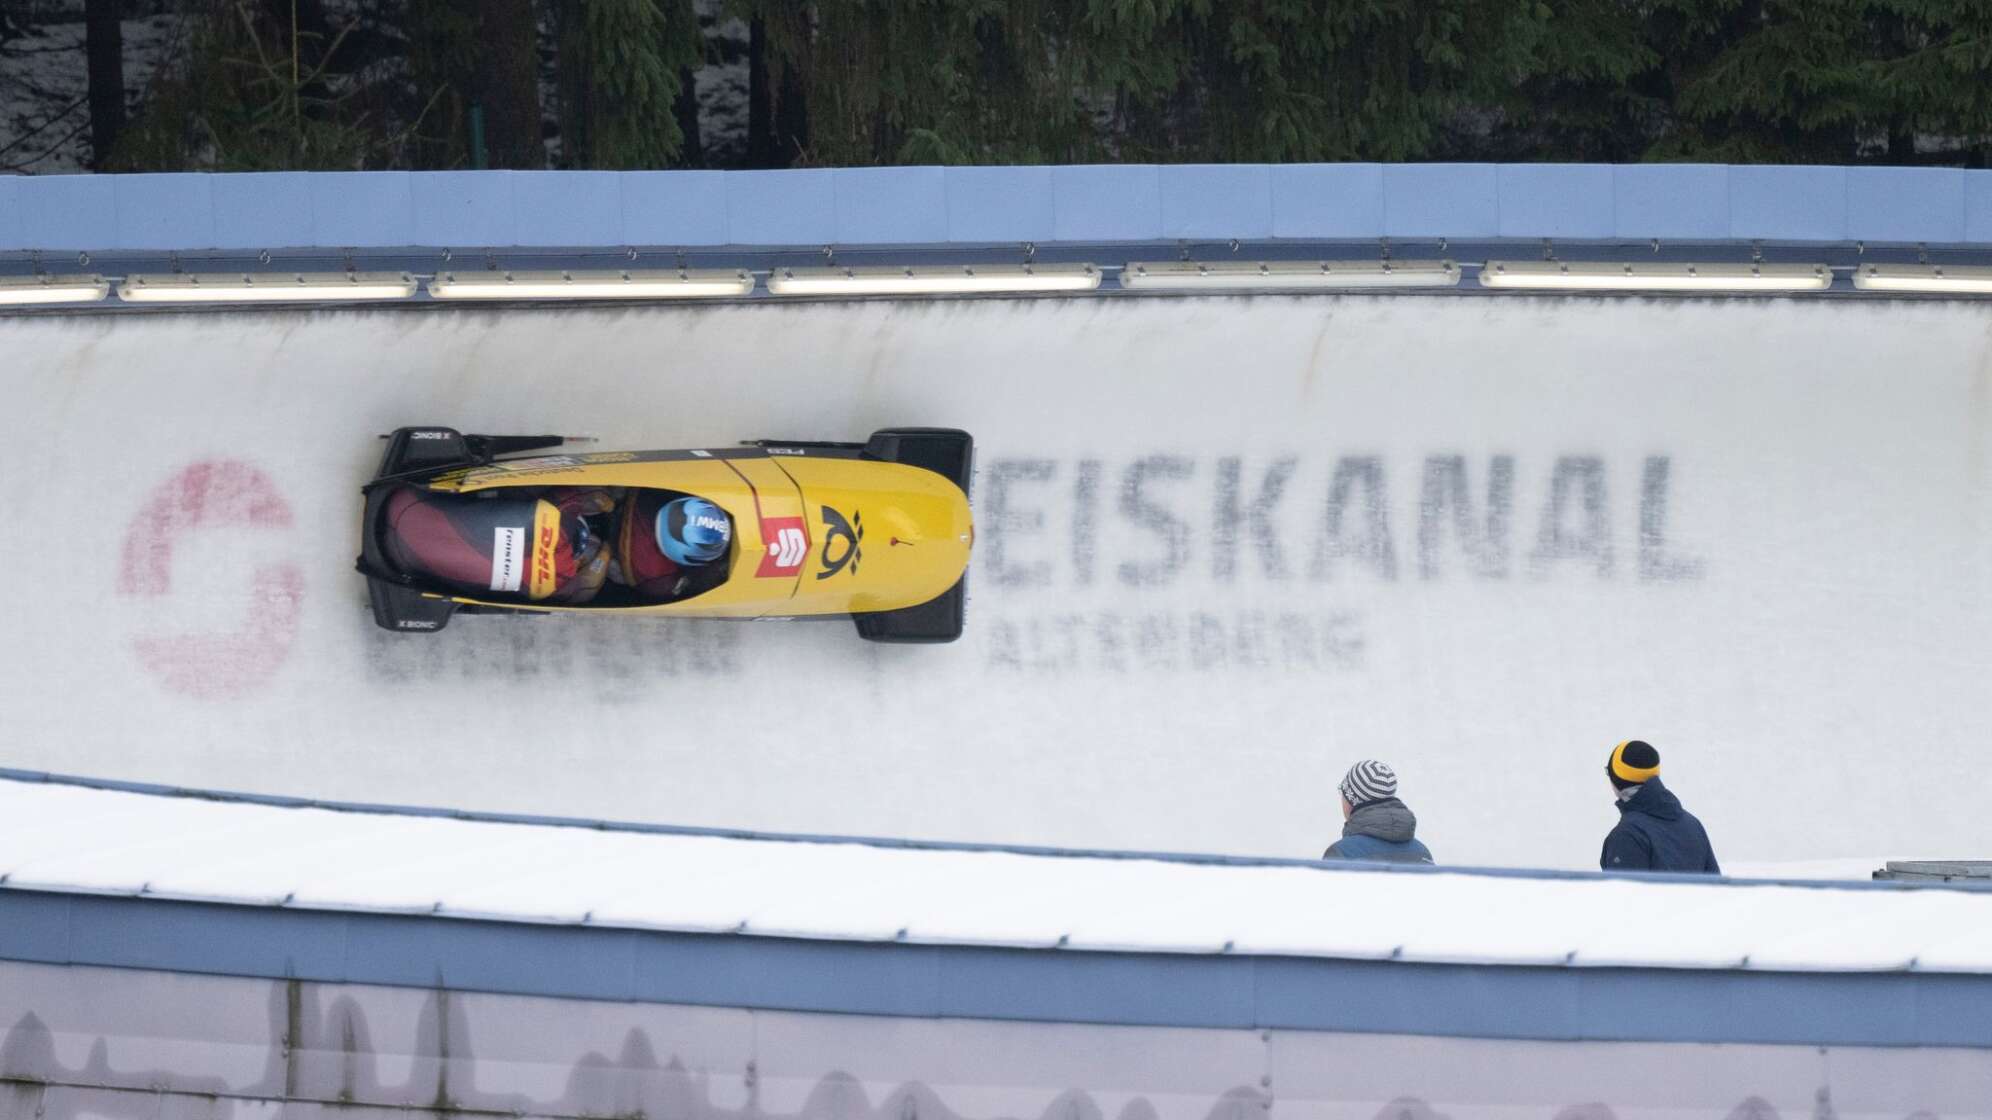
{"x":240,"y":85}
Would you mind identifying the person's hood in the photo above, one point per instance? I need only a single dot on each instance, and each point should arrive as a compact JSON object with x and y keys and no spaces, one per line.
{"x":1387,"y":820}
{"x":1655,"y":800}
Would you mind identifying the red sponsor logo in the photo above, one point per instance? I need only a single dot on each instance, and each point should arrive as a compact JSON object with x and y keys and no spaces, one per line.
{"x":787,"y":541}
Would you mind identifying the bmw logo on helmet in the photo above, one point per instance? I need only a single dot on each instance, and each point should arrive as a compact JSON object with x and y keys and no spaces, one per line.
{"x":693,"y":531}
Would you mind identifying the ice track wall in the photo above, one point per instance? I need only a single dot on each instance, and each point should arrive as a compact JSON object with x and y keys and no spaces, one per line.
{"x":1225,"y":547}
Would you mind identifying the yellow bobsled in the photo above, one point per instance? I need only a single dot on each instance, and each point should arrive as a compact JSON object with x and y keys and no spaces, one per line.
{"x":877,"y":532}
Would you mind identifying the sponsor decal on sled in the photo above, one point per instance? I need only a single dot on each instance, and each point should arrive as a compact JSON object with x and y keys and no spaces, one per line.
{"x":788,"y":545}
{"x":546,"y":539}
{"x":509,"y":470}
{"x":508,"y":557}
{"x":851,"y":532}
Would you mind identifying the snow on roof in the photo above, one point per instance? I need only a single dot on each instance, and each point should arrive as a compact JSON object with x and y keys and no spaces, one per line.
{"x":68,"y":837}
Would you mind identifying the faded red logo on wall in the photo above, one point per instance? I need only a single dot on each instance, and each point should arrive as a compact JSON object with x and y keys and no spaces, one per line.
{"x":253,"y":634}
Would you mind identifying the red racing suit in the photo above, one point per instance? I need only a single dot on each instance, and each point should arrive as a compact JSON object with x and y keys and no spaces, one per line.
{"x":502,"y":544}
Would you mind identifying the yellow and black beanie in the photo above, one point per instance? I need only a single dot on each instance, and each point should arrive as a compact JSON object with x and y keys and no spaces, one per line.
{"x":1632,"y":762}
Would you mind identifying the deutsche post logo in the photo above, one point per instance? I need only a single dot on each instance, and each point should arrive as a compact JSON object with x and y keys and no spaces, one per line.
{"x":849,"y":533}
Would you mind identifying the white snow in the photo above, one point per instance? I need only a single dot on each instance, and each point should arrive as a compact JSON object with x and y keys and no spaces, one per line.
{"x":67,"y":838}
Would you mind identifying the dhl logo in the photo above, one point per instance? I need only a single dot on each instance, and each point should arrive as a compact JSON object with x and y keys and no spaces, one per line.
{"x":546,"y":540}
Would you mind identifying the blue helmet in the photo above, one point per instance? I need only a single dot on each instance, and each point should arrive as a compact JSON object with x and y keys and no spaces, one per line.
{"x":693,"y":531}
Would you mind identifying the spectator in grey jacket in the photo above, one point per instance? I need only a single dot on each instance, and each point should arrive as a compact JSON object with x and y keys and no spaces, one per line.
{"x":1375,"y":824}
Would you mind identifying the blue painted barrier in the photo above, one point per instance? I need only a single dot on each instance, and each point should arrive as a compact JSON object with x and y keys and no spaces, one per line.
{"x":1046,"y":985}
{"x":964,"y":206}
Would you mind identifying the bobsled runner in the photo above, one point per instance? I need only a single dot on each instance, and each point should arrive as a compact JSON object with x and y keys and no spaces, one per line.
{"x":878,"y":532}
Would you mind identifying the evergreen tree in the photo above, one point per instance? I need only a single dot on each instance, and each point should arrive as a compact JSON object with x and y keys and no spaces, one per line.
{"x":1596,"y":92}
{"x":1773,"y":81}
{"x":624,"y":66}
{"x":254,"y":93}
{"x":442,"y":58}
{"x":1066,"y":80}
{"x":1756,"y":81}
{"x":392,"y":83}
{"x":505,"y":82}
{"x":1281,"y":80}
{"x":777,"y":108}
{"x":921,"y":81}
{"x":478,"y":60}
{"x":1936,"y":83}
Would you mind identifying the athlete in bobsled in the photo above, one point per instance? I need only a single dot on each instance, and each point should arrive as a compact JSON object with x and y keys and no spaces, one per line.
{"x":463,"y":523}
{"x":560,"y":545}
{"x":662,"y":543}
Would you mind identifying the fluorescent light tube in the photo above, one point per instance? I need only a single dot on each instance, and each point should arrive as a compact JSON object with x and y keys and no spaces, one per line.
{"x":1289,"y":275}
{"x":1937,"y":278}
{"x":682,"y":283}
{"x":265,"y":287}
{"x":23,"y":290}
{"x":934,"y":280}
{"x":1656,"y":276}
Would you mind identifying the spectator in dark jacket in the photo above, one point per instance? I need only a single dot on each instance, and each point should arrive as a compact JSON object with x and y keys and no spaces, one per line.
{"x":1654,"y":833}
{"x":1375,"y":824}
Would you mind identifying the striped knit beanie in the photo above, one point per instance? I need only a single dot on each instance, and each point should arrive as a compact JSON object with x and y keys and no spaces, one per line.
{"x":1632,"y":763}
{"x":1367,"y":781}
